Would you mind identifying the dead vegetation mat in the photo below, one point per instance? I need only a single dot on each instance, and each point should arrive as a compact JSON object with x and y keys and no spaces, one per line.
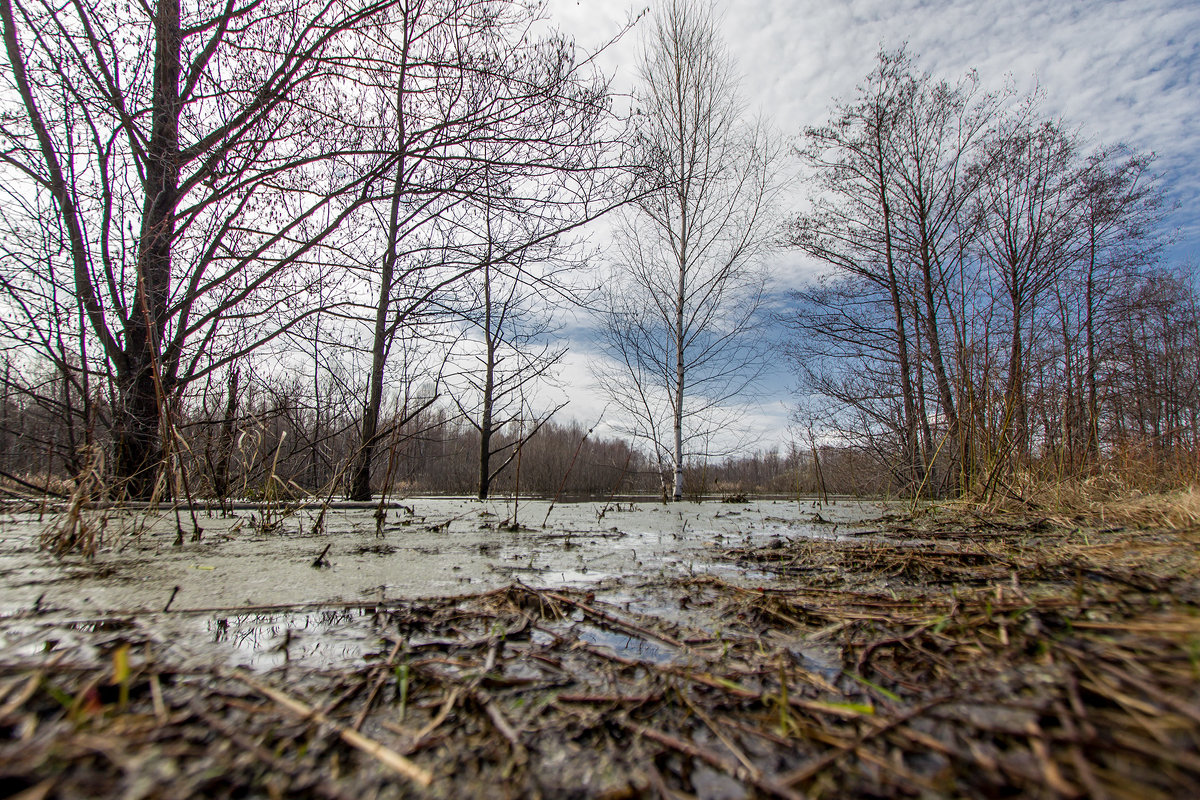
{"x":964,"y":656}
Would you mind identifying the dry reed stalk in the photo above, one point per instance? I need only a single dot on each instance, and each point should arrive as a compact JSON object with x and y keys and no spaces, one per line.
{"x":77,"y":530}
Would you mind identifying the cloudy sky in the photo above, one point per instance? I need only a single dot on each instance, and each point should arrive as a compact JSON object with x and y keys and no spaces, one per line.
{"x":1114,"y":70}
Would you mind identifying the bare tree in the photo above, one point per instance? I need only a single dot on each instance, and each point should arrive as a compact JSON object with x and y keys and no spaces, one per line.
{"x":964,"y":227}
{"x":683,"y":300}
{"x":1120,"y":208}
{"x":475,"y":109}
{"x":940,"y":135}
{"x":506,"y":304}
{"x":1153,"y":381}
{"x":182,"y":158}
{"x":853,"y":228}
{"x":985,"y":278}
{"x":1025,"y":208}
{"x":891,"y":216}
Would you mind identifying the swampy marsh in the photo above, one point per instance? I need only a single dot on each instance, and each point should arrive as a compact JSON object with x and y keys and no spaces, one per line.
{"x":446,"y":649}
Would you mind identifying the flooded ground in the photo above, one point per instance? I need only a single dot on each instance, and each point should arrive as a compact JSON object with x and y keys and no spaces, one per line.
{"x":713,"y":651}
{"x":246,"y":585}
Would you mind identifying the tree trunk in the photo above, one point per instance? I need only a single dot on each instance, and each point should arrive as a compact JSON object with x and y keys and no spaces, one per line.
{"x":912,"y":458}
{"x":936,"y":361}
{"x":360,"y":481}
{"x":360,"y":484}
{"x":1092,"y":446}
{"x":1015,"y":422}
{"x":679,"y":376}
{"x":139,"y":446}
{"x":225,"y":445}
{"x":489,"y":388}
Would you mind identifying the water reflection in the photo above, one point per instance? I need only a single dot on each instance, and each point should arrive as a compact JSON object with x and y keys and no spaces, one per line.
{"x":327,"y":638}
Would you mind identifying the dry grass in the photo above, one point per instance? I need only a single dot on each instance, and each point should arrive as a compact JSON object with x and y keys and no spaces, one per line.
{"x":1099,"y":501}
{"x":77,"y":529}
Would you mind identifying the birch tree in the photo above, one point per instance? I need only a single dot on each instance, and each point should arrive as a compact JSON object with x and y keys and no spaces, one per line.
{"x":685,"y":292}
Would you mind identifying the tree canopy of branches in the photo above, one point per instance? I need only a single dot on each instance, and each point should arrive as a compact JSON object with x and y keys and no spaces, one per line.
{"x":509,"y":355}
{"x":485,"y":120}
{"x":167,"y":167}
{"x":975,"y":250}
{"x":189,"y":181}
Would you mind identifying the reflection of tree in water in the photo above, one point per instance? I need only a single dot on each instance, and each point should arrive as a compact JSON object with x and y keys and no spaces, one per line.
{"x":331,"y":635}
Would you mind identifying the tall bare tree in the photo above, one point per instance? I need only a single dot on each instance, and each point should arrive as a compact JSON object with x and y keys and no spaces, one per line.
{"x":684,"y":297}
{"x":1026,"y":210}
{"x":1120,"y":208}
{"x":941,"y":131}
{"x":508,"y":306}
{"x":852,"y":225}
{"x":477,"y":111}
{"x":891,"y":214}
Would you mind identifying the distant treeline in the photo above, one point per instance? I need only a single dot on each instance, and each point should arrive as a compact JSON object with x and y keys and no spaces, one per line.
{"x":266,"y":443}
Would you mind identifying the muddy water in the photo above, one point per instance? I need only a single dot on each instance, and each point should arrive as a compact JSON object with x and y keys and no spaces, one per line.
{"x":432,"y":547}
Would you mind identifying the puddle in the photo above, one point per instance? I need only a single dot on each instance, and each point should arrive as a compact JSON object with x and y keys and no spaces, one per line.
{"x":822,"y":660}
{"x":435,"y":548}
{"x":328,"y":639}
{"x":623,"y":644}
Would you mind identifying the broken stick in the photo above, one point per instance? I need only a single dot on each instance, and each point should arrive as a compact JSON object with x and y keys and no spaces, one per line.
{"x":387,"y":757}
